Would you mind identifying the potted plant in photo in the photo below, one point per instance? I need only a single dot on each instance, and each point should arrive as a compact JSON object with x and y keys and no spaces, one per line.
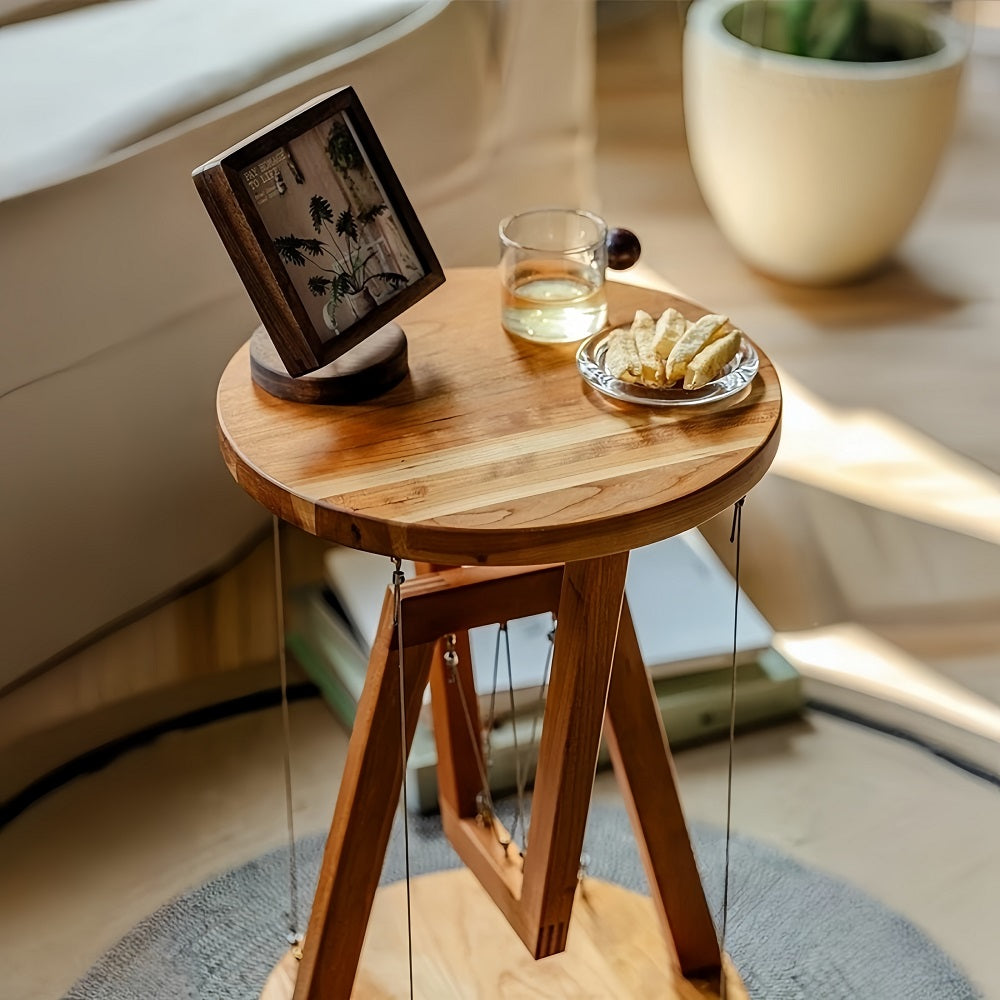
{"x":815,"y":127}
{"x":345,"y":260}
{"x":348,"y":163}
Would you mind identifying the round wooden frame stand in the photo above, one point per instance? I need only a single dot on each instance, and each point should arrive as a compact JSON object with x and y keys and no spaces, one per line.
{"x":375,"y":366}
{"x":533,"y":488}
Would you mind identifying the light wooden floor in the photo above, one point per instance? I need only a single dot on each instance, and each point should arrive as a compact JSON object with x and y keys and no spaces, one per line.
{"x":940,"y":283}
{"x":82,"y":866}
{"x":900,"y":364}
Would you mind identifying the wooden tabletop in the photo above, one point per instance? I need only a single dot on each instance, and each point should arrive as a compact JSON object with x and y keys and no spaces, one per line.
{"x":494,"y":451}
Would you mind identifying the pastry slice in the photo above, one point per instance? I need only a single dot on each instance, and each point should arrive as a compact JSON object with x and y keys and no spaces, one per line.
{"x":710,"y":361}
{"x":643,"y":333}
{"x":622,"y":357}
{"x":670,"y":327}
{"x":697,"y":336}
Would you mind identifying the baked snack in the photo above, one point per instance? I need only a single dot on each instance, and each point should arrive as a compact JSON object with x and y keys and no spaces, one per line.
{"x":622,"y":358}
{"x":710,"y":361}
{"x":697,"y":336}
{"x":670,"y":349}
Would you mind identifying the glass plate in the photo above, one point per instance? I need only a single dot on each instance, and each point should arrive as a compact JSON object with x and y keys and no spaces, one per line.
{"x":736,"y":376}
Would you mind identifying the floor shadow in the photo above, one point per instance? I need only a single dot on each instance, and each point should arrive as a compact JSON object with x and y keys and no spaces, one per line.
{"x":893,"y":294}
{"x":774,"y":740}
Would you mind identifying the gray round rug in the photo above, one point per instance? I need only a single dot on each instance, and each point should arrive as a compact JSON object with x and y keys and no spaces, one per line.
{"x":794,"y":933}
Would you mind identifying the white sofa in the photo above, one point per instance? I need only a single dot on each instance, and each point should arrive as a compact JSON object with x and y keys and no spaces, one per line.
{"x":120,"y":307}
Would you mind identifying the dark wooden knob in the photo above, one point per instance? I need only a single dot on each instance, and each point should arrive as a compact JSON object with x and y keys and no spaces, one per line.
{"x":623,"y":249}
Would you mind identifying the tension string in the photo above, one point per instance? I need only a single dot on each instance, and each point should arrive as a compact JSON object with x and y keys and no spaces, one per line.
{"x":735,"y":535}
{"x":294,"y":936}
{"x":486,"y":807}
{"x":398,"y":579}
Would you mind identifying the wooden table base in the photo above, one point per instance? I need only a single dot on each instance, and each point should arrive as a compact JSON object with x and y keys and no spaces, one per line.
{"x":463,"y":946}
{"x":597,"y":672}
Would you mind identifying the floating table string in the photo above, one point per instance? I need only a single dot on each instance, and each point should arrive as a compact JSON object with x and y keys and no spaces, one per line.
{"x":734,"y":536}
{"x":398,"y":579}
{"x":294,"y":934}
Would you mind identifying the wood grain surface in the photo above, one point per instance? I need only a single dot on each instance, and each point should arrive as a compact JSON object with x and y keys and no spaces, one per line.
{"x":590,"y":602}
{"x":463,"y":947}
{"x":647,"y":778}
{"x":362,"y":821}
{"x":495,"y":451}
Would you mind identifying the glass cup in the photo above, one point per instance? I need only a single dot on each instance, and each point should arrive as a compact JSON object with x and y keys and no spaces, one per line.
{"x":552,"y":264}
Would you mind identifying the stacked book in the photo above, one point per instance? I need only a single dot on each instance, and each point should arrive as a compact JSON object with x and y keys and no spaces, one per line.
{"x":682,"y":600}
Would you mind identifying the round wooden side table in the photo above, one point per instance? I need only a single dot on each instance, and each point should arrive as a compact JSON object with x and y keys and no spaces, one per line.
{"x":496,"y":458}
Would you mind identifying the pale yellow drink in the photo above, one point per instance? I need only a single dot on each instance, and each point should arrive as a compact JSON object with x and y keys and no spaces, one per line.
{"x":553,"y":301}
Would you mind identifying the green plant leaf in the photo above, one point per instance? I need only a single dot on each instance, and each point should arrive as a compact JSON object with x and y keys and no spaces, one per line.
{"x":346,"y":226}
{"x":834,"y":25}
{"x":815,"y":29}
{"x":371,"y":213}
{"x":391,"y":278}
{"x":320,"y":211}
{"x":312,"y":247}
{"x":342,"y":285}
{"x":319,"y":286}
{"x":290,"y":250}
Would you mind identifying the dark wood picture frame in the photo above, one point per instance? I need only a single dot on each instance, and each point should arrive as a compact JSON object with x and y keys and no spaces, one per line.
{"x":288,"y":315}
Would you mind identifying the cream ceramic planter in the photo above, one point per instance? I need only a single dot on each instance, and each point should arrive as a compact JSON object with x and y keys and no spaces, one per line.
{"x":814,"y":169}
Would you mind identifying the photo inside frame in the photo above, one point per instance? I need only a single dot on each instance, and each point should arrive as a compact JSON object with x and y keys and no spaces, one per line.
{"x":333,"y":226}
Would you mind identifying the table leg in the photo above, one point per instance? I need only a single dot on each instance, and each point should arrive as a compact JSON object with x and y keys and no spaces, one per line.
{"x":362,"y":820}
{"x":589,"y":606}
{"x":644,"y":767}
